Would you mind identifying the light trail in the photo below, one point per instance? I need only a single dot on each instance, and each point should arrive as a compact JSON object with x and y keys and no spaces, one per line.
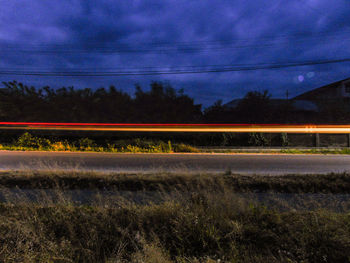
{"x":173,"y":127}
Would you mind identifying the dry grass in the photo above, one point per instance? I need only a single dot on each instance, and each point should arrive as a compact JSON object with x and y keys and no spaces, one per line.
{"x":209,"y":223}
{"x":204,"y":229}
{"x":75,"y":179}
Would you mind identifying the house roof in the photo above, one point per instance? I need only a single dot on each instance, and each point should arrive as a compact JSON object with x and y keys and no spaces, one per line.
{"x":301,"y":105}
{"x":306,"y":101}
{"x":316,"y":93}
{"x":304,"y":105}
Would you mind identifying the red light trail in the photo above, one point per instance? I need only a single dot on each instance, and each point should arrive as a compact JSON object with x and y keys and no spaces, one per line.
{"x":174,"y":127}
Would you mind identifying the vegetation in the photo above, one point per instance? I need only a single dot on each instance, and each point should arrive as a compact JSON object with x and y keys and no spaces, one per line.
{"x":198,"y":231}
{"x":208,"y":224}
{"x":29,"y":142}
{"x":161,"y":104}
{"x":279,"y":150}
{"x":257,"y":107}
{"x":328,"y":183}
{"x":316,"y":151}
{"x":258,"y":139}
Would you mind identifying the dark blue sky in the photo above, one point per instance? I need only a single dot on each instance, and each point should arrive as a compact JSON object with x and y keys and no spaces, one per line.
{"x":77,"y":35}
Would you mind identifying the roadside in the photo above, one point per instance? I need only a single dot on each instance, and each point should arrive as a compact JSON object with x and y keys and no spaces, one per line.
{"x":292,"y":183}
{"x":267,"y":164}
{"x":94,"y":217}
{"x":29,"y":142}
{"x":276,"y":150}
{"x":183,"y":148}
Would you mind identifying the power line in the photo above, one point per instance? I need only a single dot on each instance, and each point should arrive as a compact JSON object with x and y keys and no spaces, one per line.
{"x":160,"y":68}
{"x":233,"y":68}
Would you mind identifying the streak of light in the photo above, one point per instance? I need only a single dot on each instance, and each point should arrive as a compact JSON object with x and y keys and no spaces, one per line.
{"x":139,"y":127}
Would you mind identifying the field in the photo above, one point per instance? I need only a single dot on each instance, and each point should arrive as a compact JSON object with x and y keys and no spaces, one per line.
{"x":92,"y":217}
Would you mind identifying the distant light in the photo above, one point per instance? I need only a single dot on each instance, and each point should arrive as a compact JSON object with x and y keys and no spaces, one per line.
{"x":301,"y":78}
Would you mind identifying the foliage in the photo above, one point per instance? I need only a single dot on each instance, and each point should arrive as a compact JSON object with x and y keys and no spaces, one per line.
{"x":162,"y":104}
{"x":255,"y":107}
{"x":284,"y":139}
{"x":258,"y":139}
{"x":208,"y":227}
{"x":185,"y":148}
{"x":258,"y":107}
{"x":29,"y":142}
{"x":86,"y":144}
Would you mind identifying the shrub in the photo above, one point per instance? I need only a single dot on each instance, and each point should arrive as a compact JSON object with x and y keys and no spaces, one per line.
{"x":228,"y":138}
{"x":258,"y":139}
{"x":86,"y":144}
{"x":62,"y":146}
{"x":185,"y":148}
{"x":30,"y":141}
{"x":284,"y":139}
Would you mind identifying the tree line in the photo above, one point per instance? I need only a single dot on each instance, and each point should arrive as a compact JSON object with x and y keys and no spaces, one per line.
{"x":161,"y":104}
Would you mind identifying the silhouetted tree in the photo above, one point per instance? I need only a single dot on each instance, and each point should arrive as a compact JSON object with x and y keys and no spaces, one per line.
{"x":255,"y":107}
{"x":218,"y":113}
{"x":163,"y":104}
{"x":19,"y":102}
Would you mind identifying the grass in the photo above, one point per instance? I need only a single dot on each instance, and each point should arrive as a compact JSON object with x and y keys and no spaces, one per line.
{"x":323,"y":183}
{"x":280,"y":150}
{"x":208,"y":228}
{"x":317,"y":151}
{"x":210,"y":223}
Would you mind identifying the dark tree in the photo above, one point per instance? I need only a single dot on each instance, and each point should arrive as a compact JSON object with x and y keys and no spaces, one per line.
{"x":255,"y":107}
{"x":161,"y":104}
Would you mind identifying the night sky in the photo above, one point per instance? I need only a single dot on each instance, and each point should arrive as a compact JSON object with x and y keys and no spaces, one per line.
{"x":166,"y":35}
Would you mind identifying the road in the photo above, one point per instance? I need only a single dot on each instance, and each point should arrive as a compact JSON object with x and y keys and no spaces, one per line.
{"x":236,"y":163}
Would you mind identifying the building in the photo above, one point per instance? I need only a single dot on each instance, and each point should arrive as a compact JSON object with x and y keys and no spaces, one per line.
{"x":314,"y":100}
{"x":334,"y":91}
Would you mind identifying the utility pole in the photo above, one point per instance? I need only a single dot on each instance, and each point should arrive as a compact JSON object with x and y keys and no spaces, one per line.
{"x":317,"y":140}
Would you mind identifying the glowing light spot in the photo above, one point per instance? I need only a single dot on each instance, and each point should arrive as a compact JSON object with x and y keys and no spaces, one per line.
{"x":310,"y":74}
{"x":301,"y":78}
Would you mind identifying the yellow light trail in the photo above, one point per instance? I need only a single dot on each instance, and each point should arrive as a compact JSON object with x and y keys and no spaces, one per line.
{"x":239,"y":128}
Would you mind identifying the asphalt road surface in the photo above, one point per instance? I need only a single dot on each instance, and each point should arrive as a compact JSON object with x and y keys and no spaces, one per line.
{"x":236,"y":163}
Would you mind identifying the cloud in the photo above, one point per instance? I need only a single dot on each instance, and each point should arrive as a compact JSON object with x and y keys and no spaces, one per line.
{"x":243,"y":32}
